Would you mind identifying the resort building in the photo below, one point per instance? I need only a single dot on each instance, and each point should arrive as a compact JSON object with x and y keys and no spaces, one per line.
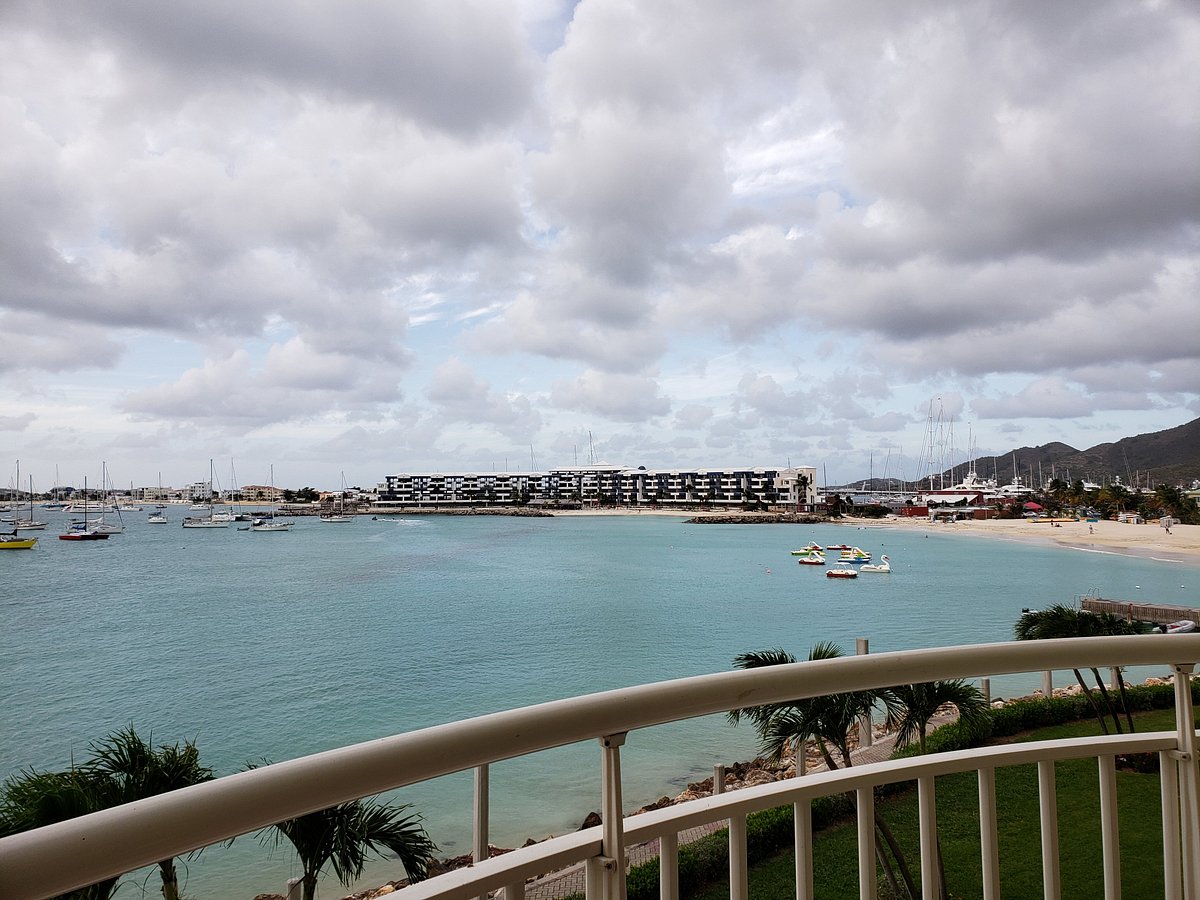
{"x":604,"y":484}
{"x":261,"y":493}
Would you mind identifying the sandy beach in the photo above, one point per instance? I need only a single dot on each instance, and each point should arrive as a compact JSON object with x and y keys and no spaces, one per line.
{"x":1147,"y":541}
{"x":1150,"y":541}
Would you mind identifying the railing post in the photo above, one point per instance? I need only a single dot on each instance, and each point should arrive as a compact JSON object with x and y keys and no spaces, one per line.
{"x":718,"y":779}
{"x":295,"y":888}
{"x":985,"y":688}
{"x":1048,"y":809}
{"x":1110,"y":835}
{"x":613,"y":826}
{"x":1169,"y":794}
{"x":866,"y":736}
{"x":479,"y":826}
{"x":1048,"y":683}
{"x":867,"y":887}
{"x":927,"y":818}
{"x":668,"y":866}
{"x":739,"y":871}
{"x":1189,"y":789}
{"x":989,"y":842}
{"x":802,"y":822}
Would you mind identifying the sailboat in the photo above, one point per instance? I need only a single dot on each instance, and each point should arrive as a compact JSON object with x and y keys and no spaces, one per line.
{"x":11,"y":541}
{"x":339,"y":516}
{"x":158,"y":517}
{"x":267,"y":521}
{"x":228,"y":515}
{"x":205,"y":521}
{"x":29,"y":524}
{"x":101,"y":526}
{"x":74,"y":533}
{"x":56,"y":503}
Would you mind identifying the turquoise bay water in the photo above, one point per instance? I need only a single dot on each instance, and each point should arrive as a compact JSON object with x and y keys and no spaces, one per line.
{"x":278,"y":645}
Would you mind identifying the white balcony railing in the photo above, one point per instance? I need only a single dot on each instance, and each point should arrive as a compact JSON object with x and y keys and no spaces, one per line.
{"x":81,"y":851}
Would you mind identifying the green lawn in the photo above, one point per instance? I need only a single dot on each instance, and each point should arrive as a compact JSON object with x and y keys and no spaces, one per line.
{"x":835,"y":850}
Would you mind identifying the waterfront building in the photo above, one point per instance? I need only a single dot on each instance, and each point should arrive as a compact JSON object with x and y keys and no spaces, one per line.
{"x":603,"y":484}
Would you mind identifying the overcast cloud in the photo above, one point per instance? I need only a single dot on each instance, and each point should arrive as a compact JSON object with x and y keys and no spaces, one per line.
{"x":373,"y":237}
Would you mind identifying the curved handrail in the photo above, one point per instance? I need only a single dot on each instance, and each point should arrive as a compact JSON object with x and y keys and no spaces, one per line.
{"x":111,"y":842}
{"x":557,"y":853}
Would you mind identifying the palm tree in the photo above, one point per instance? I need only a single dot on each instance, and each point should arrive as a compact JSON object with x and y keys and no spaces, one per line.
{"x":135,"y":770}
{"x":342,"y":835}
{"x":828,"y":721}
{"x":918,"y":703}
{"x":1062,"y":621}
{"x":32,"y":799}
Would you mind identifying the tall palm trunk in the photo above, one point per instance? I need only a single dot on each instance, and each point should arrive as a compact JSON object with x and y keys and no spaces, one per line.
{"x":170,"y":880}
{"x":1124,"y":700}
{"x":1108,"y":702}
{"x":1091,"y":698}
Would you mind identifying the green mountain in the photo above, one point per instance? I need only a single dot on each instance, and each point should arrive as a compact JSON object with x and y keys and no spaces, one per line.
{"x":1162,"y":457}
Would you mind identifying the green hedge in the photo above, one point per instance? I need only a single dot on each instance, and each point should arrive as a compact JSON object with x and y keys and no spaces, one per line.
{"x":706,"y":860}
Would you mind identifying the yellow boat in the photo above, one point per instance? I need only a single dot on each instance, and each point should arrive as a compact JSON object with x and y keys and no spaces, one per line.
{"x":12,"y":542}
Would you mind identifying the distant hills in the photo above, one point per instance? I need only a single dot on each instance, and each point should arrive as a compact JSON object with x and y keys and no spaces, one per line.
{"x":1161,"y":457}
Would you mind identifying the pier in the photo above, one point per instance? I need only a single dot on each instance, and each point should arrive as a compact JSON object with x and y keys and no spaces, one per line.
{"x":1158,"y":613}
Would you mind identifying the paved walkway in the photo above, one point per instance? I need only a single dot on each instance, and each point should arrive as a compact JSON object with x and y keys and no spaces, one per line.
{"x":565,"y":882}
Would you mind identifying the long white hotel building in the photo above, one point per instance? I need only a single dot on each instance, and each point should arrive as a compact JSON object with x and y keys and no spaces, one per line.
{"x":792,"y":488}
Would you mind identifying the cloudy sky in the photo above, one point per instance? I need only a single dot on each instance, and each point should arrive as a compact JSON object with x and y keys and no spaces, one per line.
{"x":371,"y":237}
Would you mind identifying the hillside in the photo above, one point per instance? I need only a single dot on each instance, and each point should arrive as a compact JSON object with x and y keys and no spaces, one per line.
{"x":1171,"y":457}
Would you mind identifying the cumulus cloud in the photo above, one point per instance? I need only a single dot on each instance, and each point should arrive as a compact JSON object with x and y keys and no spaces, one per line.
{"x":487,"y":217}
{"x":623,"y":398}
{"x":462,"y":396}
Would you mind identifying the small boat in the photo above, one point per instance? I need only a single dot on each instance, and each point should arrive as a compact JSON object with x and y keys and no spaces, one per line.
{"x":854,"y":556}
{"x":807,"y":549}
{"x":269,"y":525}
{"x":884,"y":565}
{"x":1183,"y":626}
{"x":12,"y":541}
{"x":812,"y":559}
{"x":79,"y":531}
{"x":837,"y":546}
{"x":202,"y":522}
{"x":157,"y":518}
{"x":841,"y":573}
{"x":97,"y":526}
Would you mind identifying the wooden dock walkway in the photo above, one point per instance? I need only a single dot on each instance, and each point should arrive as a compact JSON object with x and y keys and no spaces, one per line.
{"x":1158,"y":613}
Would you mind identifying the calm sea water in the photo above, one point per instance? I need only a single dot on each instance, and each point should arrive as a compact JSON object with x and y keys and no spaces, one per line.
{"x":278,"y":645}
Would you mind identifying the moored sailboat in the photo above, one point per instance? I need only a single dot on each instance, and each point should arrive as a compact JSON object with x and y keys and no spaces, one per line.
{"x":339,"y":515}
{"x":208,"y":521}
{"x":74,"y":533}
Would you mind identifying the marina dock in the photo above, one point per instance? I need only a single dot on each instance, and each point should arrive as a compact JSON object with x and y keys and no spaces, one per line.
{"x":1158,"y":613}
